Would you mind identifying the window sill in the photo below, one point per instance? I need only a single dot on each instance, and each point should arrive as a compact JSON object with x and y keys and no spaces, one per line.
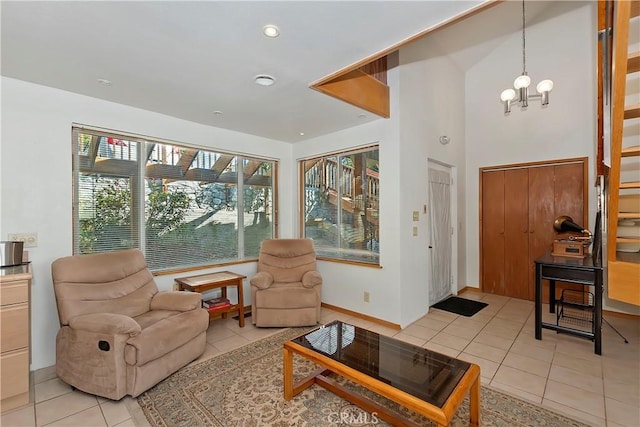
{"x":345,"y":261}
{"x":201,"y":267}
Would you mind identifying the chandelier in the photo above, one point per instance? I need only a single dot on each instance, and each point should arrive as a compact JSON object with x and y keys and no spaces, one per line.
{"x":522,"y":82}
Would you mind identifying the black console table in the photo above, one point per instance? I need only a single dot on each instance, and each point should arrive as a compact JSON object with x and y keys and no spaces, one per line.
{"x":583,"y":271}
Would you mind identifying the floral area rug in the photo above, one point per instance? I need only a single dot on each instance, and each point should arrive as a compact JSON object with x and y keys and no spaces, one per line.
{"x":244,"y":388}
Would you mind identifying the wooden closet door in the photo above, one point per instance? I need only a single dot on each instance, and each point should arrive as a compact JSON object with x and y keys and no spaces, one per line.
{"x":516,"y":233}
{"x":553,"y":191}
{"x":493,"y":232}
{"x":568,"y":187}
{"x":541,"y":217}
{"x":519,"y":206}
{"x":568,"y":200}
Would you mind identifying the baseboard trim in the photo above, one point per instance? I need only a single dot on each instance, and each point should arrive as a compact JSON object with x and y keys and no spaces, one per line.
{"x":470,"y":289}
{"x":620,"y":314}
{"x":362,"y":316}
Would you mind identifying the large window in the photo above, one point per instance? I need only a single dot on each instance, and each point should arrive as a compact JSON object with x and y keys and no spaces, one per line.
{"x":182,"y":206}
{"x":340,"y":205}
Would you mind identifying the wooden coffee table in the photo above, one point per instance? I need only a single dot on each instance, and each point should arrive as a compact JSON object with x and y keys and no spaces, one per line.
{"x":426,"y":382}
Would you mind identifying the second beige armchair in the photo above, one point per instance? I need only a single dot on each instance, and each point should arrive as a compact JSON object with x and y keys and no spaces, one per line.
{"x":286,"y":290}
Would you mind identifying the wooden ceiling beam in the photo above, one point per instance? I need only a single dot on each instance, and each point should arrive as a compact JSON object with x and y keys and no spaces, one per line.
{"x":94,"y":145}
{"x":186,"y":159}
{"x":221,"y":164}
{"x":251,"y":168}
{"x":129,"y":168}
{"x":360,"y":89}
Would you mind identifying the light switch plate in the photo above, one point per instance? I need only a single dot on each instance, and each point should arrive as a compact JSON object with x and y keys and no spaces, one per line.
{"x":416,"y":215}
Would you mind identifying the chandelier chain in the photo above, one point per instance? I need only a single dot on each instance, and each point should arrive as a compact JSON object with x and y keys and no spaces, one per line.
{"x":524,"y":61}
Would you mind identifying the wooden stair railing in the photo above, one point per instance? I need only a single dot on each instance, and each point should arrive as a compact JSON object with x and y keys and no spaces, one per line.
{"x":623,"y":196}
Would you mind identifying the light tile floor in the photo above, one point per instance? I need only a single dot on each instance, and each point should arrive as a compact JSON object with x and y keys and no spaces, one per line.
{"x":560,"y":371}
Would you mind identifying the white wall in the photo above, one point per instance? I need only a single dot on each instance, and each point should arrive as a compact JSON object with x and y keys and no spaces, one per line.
{"x":562,"y":48}
{"x":36,"y":179}
{"x":435,"y":98}
{"x":427,"y":100}
{"x":343,"y":284}
{"x":432,"y":105}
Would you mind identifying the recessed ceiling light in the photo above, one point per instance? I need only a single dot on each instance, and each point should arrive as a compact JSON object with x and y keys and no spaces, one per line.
{"x":264,"y":80}
{"x":217,"y":113}
{"x":271,"y":31}
{"x":105,"y":82}
{"x":301,"y":133}
{"x":362,"y":115}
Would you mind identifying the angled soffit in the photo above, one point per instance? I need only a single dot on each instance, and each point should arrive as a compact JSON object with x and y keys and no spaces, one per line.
{"x":364,"y":84}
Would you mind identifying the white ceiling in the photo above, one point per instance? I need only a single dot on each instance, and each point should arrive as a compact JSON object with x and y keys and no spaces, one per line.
{"x":188,"y":59}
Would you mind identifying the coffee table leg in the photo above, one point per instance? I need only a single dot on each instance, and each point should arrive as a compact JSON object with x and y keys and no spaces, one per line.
{"x":474,"y":403}
{"x":288,"y":374}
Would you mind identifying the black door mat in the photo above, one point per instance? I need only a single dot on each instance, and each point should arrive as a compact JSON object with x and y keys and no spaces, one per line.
{"x":461,"y":306}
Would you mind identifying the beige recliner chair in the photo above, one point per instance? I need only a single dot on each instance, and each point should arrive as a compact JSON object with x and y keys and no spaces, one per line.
{"x":286,"y":290}
{"x":118,"y":335}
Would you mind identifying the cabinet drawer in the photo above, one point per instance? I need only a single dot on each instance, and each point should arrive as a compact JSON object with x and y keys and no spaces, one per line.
{"x":14,"y":292}
{"x":14,"y":327}
{"x":15,"y":373}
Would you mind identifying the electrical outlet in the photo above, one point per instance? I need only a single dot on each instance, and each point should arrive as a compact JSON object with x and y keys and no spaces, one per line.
{"x":416,"y":216}
{"x":30,"y":239}
{"x":366,"y":296}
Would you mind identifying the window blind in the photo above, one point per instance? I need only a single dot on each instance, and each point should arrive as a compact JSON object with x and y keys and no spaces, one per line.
{"x":181,"y":205}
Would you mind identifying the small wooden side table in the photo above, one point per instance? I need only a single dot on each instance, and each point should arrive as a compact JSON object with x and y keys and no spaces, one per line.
{"x":205,"y":282}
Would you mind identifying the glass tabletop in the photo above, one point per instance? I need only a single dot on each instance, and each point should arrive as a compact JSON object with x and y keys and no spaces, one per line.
{"x":423,"y":373}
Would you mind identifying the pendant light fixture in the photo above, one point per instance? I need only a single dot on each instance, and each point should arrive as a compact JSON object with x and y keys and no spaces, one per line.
{"x":520,"y":93}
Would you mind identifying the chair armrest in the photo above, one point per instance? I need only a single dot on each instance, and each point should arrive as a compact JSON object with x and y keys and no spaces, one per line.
{"x":106,"y":323}
{"x":262,"y":280}
{"x":176,"y":301}
{"x":311,"y":279}
{"x":165,"y":337}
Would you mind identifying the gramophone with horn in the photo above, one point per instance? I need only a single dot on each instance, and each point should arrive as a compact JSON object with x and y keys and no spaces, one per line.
{"x":573,"y":246}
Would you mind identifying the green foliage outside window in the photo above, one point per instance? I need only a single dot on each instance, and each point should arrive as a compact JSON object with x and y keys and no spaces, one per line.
{"x":165,"y":210}
{"x":111,"y":225}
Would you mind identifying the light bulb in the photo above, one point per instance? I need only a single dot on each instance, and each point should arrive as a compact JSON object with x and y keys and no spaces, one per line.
{"x":544,"y":86}
{"x":507,"y":95}
{"x":522,"y":81}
